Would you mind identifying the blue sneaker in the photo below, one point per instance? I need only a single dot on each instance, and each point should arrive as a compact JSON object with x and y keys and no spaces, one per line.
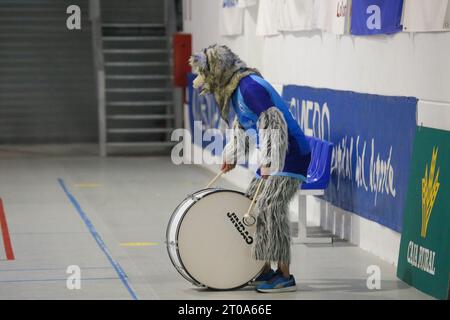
{"x":263,"y":277}
{"x":278,"y":284}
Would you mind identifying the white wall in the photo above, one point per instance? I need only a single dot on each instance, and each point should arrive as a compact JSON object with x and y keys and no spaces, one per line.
{"x":403,"y":64}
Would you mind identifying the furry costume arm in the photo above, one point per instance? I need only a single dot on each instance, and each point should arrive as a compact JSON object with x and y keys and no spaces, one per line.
{"x":236,"y":146}
{"x":273,"y":139}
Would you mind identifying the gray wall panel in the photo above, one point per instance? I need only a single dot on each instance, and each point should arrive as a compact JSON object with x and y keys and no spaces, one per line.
{"x":47,"y":87}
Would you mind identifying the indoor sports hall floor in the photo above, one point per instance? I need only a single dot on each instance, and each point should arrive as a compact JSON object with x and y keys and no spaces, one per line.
{"x":108,"y":216}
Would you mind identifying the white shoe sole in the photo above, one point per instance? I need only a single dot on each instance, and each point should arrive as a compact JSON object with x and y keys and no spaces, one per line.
{"x":287,"y":289}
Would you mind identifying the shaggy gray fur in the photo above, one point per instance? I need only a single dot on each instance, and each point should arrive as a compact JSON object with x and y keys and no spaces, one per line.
{"x":272,"y":130}
{"x":217,"y":64}
{"x":221,"y":70}
{"x":274,"y":139}
{"x":237,"y":146}
{"x":272,"y":237}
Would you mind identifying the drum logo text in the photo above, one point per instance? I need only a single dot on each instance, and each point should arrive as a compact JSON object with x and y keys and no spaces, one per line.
{"x":240,"y":227}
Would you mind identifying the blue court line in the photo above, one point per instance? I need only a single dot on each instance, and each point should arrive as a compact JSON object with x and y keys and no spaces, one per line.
{"x":122,"y":275}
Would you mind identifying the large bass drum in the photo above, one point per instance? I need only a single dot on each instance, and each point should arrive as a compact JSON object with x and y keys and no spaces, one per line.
{"x":209,"y":244}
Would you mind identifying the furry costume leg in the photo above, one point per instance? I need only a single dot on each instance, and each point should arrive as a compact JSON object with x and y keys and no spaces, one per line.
{"x":252,"y":187}
{"x":272,"y":238}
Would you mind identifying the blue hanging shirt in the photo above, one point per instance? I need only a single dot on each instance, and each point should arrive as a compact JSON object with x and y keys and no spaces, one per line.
{"x":255,"y":95}
{"x":371,"y":17}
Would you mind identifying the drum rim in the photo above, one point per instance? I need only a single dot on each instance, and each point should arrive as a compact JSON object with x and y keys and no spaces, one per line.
{"x":191,"y":279}
{"x":213,"y":190}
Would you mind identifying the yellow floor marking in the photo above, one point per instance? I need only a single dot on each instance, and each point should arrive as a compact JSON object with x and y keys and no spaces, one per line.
{"x":139,"y":244}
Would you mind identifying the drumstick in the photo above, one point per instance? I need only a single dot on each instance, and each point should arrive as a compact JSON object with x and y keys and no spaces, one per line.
{"x":247,"y":215}
{"x":214,"y":179}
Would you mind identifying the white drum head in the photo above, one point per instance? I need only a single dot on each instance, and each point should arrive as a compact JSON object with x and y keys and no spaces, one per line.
{"x":213,"y":243}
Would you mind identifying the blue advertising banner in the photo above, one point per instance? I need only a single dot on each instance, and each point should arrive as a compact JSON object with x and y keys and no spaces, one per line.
{"x":373,"y":137}
{"x":371,"y":17}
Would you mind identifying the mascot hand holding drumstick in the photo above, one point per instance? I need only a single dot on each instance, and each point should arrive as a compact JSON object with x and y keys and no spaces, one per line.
{"x":285,"y":153}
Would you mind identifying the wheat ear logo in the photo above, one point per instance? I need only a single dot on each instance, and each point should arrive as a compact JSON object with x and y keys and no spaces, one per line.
{"x":430,"y":188}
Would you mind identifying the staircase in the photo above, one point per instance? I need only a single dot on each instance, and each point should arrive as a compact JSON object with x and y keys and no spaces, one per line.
{"x":136,"y":89}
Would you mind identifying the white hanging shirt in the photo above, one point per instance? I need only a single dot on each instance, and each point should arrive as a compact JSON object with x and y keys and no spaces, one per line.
{"x":231,"y":18}
{"x":332,"y":16}
{"x":426,"y":15}
{"x":296,"y":15}
{"x":320,"y":14}
{"x":267,"y":21}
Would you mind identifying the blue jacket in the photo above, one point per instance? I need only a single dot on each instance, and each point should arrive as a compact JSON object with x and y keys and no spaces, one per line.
{"x":255,"y":95}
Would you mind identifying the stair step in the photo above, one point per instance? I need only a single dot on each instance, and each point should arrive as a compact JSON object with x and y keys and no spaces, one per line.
{"x":133,"y":25}
{"x":136,"y":64}
{"x":142,"y":144}
{"x":134,"y":38}
{"x":128,"y":90}
{"x":140,"y":116}
{"x":140,"y":103}
{"x":139,"y":130}
{"x":134,"y":51}
{"x":137,"y":77}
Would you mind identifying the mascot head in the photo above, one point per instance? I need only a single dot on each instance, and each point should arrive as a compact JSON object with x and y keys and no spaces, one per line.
{"x":219,"y":71}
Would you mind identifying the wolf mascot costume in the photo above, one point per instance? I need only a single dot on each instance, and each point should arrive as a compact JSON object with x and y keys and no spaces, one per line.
{"x":285,"y":150}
